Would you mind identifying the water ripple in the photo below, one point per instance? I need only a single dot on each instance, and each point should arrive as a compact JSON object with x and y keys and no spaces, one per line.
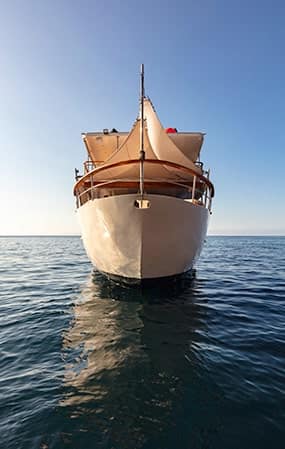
{"x":87,"y":363}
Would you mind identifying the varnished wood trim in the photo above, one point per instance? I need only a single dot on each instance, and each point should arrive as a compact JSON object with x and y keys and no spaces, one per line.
{"x":147,"y":161}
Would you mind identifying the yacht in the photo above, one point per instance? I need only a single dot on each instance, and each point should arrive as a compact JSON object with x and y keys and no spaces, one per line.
{"x":144,"y":199}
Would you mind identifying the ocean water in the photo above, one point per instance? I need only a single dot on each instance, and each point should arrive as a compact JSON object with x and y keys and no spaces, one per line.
{"x":195,"y":364}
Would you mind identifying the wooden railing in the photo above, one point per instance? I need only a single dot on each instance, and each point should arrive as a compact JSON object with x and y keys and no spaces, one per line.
{"x":89,"y":166}
{"x":197,"y":188}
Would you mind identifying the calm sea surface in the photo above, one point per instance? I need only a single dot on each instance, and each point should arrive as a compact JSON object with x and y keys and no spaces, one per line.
{"x":196,"y":364}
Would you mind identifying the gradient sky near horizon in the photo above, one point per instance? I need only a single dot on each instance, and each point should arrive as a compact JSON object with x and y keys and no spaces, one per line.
{"x":73,"y":66}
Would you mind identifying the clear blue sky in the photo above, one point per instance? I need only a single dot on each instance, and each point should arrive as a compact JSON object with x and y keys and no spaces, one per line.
{"x":72,"y":66}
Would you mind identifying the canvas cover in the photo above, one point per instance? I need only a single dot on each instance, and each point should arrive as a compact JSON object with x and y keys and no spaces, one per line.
{"x":182,"y":148}
{"x":189,"y":143}
{"x":100,"y":146}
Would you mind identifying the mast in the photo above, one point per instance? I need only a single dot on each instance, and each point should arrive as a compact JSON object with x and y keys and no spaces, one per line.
{"x":142,"y":152}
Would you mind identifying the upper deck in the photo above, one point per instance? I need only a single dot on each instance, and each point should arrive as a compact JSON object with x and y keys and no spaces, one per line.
{"x":101,"y":145}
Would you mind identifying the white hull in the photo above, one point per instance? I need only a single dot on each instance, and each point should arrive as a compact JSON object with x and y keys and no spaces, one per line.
{"x":163,"y":240}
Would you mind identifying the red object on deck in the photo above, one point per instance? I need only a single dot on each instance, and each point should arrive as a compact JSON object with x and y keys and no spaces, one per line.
{"x":171,"y":130}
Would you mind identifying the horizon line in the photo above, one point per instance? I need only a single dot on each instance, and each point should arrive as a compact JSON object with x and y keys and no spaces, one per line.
{"x":79,"y":235}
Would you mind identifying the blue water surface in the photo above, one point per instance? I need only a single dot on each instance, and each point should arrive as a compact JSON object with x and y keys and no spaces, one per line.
{"x":197,"y":363}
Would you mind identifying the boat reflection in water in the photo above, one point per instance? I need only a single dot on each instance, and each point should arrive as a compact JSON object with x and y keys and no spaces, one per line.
{"x":132,"y":368}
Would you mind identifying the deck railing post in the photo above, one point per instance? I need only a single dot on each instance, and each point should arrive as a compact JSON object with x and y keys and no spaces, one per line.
{"x":193,"y":188}
{"x":205,"y":196}
{"x":91,"y":185}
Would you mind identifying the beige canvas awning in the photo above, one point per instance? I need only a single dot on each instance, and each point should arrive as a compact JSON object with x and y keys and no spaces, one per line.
{"x":110,"y":148}
{"x":163,"y":145}
{"x":189,"y":143}
{"x":101,"y":145}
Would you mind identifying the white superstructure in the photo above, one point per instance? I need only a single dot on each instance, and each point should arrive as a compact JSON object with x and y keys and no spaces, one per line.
{"x":144,"y":199}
